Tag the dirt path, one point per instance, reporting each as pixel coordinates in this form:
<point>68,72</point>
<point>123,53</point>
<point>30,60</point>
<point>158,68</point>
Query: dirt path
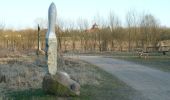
<point>153,84</point>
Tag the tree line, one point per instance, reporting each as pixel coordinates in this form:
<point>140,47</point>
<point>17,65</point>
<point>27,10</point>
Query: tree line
<point>139,31</point>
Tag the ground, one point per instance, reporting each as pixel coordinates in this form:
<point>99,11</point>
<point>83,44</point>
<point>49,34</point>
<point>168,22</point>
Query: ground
<point>23,80</point>
<point>127,77</point>
<point>152,83</point>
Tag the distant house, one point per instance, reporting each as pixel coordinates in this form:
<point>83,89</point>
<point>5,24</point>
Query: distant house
<point>94,28</point>
<point>164,45</point>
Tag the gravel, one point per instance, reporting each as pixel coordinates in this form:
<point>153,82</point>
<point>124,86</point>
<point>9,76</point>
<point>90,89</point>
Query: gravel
<point>152,83</point>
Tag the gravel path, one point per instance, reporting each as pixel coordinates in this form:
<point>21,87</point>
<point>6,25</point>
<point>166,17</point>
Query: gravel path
<point>152,83</point>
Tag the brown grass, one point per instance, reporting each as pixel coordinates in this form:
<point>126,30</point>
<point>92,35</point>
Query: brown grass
<point>23,73</point>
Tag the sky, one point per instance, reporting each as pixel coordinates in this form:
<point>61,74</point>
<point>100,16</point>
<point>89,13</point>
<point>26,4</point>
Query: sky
<point>20,14</point>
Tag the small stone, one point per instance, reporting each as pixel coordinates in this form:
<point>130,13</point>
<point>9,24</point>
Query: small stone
<point>60,84</point>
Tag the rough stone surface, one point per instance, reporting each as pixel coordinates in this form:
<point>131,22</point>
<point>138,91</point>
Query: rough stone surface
<point>51,41</point>
<point>58,83</point>
<point>61,85</point>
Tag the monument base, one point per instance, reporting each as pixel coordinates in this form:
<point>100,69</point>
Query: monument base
<point>60,84</point>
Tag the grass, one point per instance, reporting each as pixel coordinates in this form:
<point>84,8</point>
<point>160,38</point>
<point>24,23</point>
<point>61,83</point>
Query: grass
<point>154,60</point>
<point>109,88</point>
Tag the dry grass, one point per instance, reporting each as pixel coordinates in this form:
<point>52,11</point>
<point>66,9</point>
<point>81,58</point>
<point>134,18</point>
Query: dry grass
<point>79,71</point>
<point>23,80</point>
<point>21,75</point>
<point>24,73</point>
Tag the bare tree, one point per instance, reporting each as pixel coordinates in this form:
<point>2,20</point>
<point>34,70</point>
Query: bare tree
<point>83,26</point>
<point>150,30</point>
<point>114,24</point>
<point>132,23</point>
<point>2,26</point>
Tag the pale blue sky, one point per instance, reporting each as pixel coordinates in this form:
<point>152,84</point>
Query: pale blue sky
<point>20,14</point>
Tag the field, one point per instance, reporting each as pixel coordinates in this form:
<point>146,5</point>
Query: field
<point>23,77</point>
<point>154,60</point>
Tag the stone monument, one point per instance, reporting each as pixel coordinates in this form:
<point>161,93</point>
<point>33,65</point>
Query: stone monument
<point>56,82</point>
<point>51,41</point>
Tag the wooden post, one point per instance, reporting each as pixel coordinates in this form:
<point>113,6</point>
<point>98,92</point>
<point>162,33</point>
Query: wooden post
<point>38,40</point>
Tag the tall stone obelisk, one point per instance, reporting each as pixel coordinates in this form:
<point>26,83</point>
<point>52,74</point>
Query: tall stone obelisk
<point>56,82</point>
<point>51,41</point>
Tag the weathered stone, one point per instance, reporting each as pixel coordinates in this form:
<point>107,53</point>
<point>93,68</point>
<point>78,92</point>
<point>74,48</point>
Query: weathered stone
<point>51,41</point>
<point>58,83</point>
<point>61,85</point>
